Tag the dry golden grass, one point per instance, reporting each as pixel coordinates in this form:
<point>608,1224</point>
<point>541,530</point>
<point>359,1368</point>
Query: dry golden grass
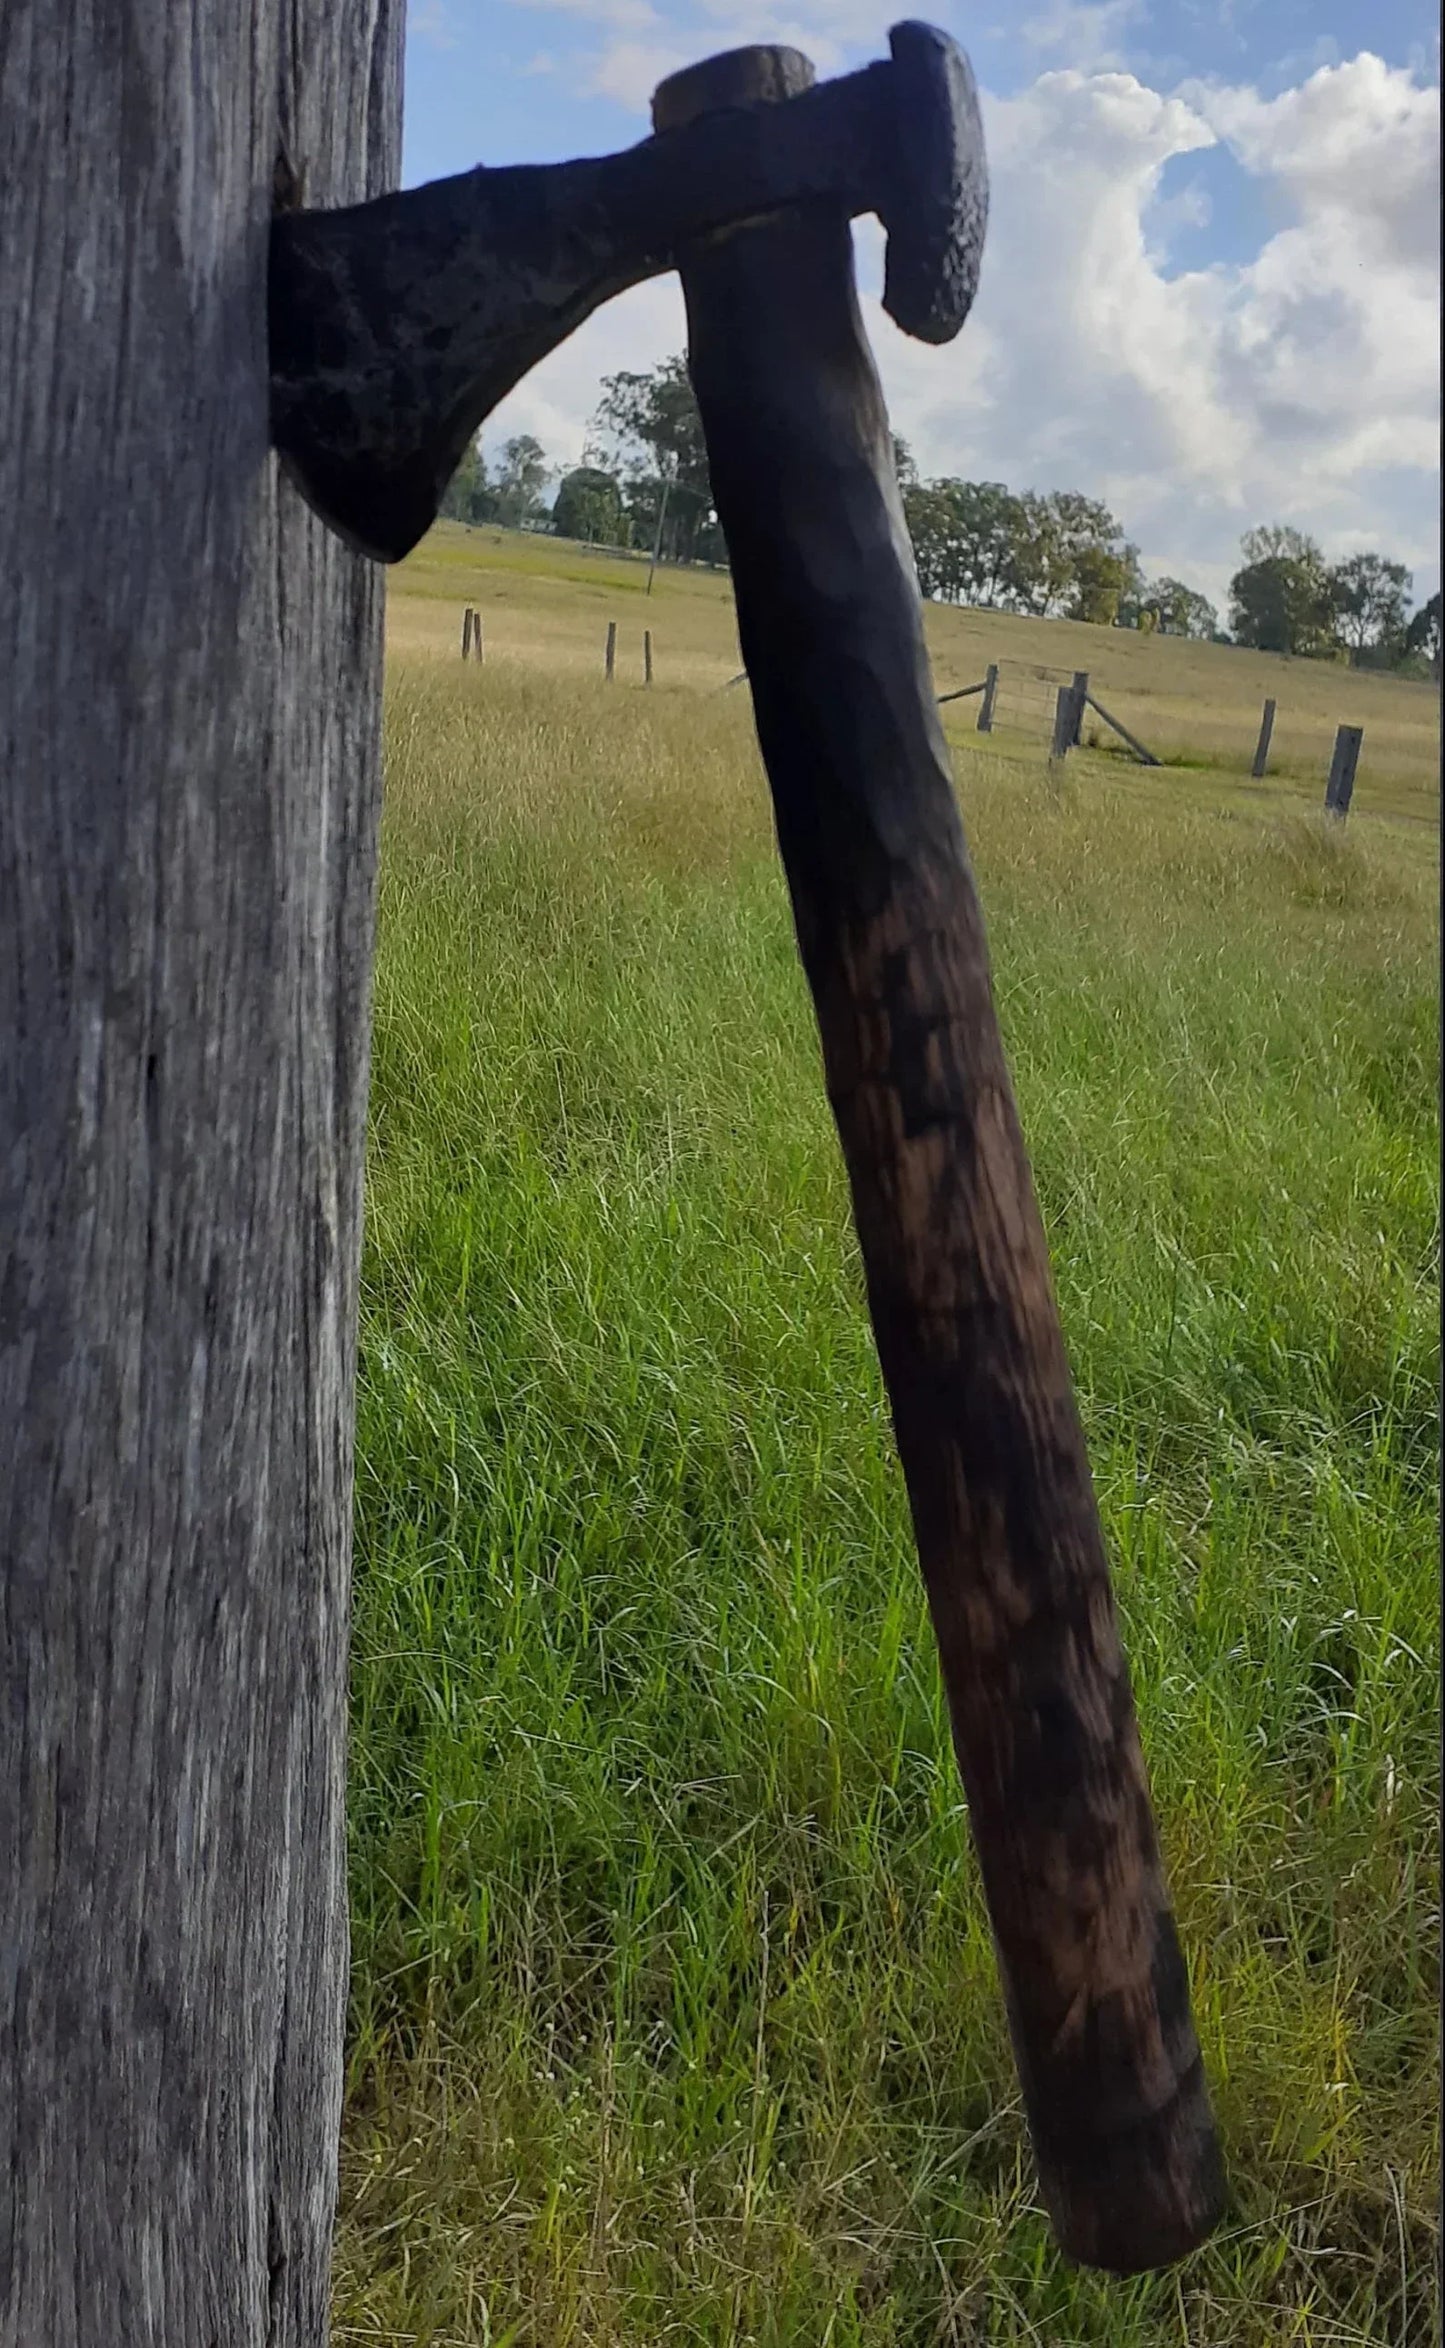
<point>546,605</point>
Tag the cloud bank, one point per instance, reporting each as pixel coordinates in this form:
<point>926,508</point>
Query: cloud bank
<point>1297,383</point>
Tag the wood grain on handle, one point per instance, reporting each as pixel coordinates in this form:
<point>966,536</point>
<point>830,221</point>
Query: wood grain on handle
<point>891,936</point>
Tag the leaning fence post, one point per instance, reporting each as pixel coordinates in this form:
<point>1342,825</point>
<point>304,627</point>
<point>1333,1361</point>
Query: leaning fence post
<point>990,693</point>
<point>1080,693</point>
<point>611,648</point>
<point>647,656</point>
<point>1340,788</point>
<point>1261,748</point>
<point>467,618</point>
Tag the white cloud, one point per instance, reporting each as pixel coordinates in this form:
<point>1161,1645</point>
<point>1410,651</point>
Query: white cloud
<point>557,400</point>
<point>630,71</point>
<point>1085,32</point>
<point>1301,384</point>
<point>643,46</point>
<point>1358,148</point>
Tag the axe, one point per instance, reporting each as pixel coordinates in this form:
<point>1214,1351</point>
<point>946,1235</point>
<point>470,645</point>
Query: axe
<point>395,327</point>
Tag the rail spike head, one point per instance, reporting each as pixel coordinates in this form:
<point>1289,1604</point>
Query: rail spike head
<point>936,207</point>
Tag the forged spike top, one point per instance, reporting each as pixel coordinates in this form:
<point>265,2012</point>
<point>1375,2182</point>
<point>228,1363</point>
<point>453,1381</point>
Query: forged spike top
<point>936,206</point>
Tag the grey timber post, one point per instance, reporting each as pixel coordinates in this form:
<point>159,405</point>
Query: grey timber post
<point>187,864</point>
<point>1340,788</point>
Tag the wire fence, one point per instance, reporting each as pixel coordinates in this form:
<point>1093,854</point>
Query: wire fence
<point>1027,698</point>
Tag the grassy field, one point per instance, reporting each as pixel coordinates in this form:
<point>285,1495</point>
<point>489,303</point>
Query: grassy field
<point>674,2013</point>
<point>545,606</point>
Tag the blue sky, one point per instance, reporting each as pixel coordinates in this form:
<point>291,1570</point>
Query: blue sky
<point>1210,294</point>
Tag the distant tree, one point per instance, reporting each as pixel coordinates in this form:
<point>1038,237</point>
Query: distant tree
<point>1103,577</point>
<point>651,423</point>
<point>1263,603</point>
<point>903,464</point>
<point>468,496</point>
<point>589,505</point>
<point>1038,570</point>
<point>1280,541</point>
<point>976,542</point>
<point>523,475</point>
<point>1422,636</point>
<point>1068,553</point>
<point>963,533</point>
<point>1370,595</point>
<point>986,522</point>
<point>925,511</point>
<point>1176,610</point>
<point>1282,598</point>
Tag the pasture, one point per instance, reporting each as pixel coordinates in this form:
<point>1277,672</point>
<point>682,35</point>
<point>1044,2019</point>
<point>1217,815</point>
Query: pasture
<point>674,2014</point>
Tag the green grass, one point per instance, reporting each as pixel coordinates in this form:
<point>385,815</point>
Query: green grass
<point>675,2017</point>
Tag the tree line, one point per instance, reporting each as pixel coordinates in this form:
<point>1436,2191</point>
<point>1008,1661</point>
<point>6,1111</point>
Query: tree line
<point>643,482</point>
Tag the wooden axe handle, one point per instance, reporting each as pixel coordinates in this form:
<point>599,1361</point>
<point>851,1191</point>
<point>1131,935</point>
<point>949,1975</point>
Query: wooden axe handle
<point>959,1290</point>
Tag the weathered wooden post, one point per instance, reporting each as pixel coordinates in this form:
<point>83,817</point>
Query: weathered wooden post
<point>1261,748</point>
<point>1080,695</point>
<point>1340,788</point>
<point>990,695</point>
<point>610,655</point>
<point>187,850</point>
<point>647,656</point>
<point>1063,735</point>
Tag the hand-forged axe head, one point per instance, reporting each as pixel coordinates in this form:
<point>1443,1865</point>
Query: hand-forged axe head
<point>397,326</point>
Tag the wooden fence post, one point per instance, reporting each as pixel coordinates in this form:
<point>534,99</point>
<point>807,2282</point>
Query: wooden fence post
<point>466,631</point>
<point>477,652</point>
<point>1064,714</point>
<point>187,877</point>
<point>990,695</point>
<point>1081,693</point>
<point>1261,748</point>
<point>1339,790</point>
<point>647,656</point>
<point>611,649</point>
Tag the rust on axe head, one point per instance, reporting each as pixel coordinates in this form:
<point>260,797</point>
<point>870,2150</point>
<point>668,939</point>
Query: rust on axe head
<point>397,326</point>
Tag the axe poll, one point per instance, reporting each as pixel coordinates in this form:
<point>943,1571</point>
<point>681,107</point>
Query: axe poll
<point>381,372</point>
